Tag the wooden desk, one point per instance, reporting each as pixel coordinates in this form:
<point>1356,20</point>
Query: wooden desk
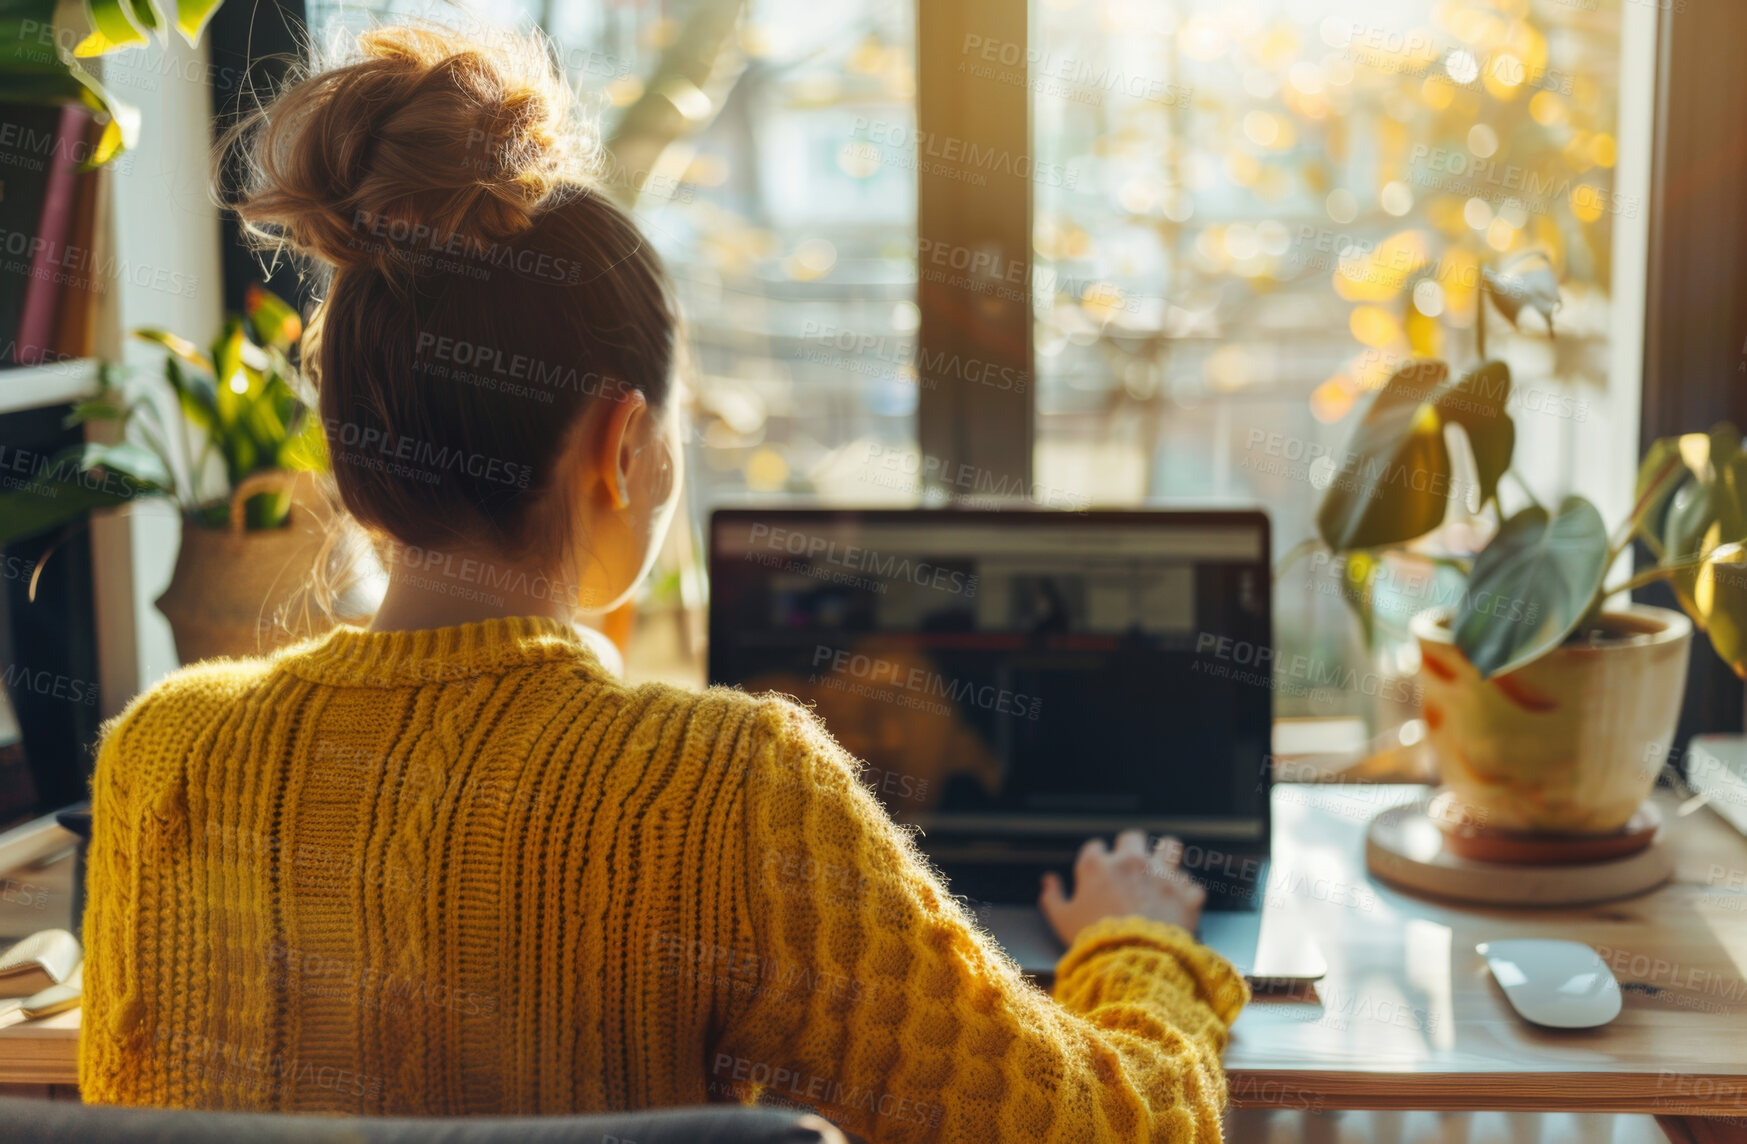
<point>40,1055</point>
<point>1409,1018</point>
<point>36,893</point>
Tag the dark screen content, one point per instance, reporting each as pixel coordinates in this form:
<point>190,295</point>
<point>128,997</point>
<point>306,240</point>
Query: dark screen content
<point>995,688</point>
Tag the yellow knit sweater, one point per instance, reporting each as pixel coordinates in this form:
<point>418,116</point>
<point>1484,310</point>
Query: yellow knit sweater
<point>466,871</point>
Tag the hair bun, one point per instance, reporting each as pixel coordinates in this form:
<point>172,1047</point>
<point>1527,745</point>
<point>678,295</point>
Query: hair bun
<point>427,138</point>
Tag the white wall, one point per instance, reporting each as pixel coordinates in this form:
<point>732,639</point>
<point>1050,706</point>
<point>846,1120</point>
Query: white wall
<point>165,233</point>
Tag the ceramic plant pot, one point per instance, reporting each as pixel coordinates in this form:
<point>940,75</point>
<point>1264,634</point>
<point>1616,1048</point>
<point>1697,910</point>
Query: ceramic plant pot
<point>240,592</point>
<point>1568,744</point>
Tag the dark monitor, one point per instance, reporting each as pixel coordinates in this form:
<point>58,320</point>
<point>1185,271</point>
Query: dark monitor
<point>1016,674</point>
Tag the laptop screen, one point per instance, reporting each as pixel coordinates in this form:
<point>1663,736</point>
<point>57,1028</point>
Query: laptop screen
<point>1016,673</point>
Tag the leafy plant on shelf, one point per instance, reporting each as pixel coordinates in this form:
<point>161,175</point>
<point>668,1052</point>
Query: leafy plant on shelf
<point>1541,580</point>
<point>241,410</point>
<point>40,54</point>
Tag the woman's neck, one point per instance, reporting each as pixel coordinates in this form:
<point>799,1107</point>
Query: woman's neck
<point>428,589</point>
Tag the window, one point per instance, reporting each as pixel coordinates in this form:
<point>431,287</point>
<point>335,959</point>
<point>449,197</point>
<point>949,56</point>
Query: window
<point>1273,212</point>
<point>791,242</point>
<point>1238,220</point>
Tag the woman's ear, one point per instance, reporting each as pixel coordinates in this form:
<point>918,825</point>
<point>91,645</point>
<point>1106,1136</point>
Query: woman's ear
<point>620,433</point>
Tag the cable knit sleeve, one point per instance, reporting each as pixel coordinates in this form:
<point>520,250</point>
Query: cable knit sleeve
<point>879,1003</point>
<point>113,870</point>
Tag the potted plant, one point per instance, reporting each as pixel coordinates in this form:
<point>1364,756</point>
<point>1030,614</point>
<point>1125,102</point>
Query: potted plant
<point>1549,709</point>
<point>252,545</point>
<point>40,56</point>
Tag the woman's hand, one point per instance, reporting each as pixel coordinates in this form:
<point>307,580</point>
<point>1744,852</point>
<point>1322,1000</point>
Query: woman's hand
<point>1121,883</point>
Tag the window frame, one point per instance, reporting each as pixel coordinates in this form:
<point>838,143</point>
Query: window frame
<point>974,261</point>
<point>1695,310</point>
<point>980,438</point>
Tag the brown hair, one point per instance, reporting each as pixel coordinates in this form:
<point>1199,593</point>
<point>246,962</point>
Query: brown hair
<point>481,289</point>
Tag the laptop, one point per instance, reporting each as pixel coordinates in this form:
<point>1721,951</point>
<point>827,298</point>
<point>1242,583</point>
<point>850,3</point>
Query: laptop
<point>1020,681</point>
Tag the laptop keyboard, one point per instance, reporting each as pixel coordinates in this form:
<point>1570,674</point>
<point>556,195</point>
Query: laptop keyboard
<point>1018,882</point>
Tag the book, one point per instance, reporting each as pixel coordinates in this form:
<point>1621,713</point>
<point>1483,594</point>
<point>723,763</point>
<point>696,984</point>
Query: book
<point>75,333</point>
<point>42,293</point>
<point>56,998</point>
<point>44,959</point>
<point>28,132</point>
<point>47,1002</point>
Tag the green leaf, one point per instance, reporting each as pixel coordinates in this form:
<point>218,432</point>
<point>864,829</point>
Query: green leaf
<point>1688,517</point>
<point>95,409</point>
<point>1683,530</point>
<point>1730,505</point>
<point>267,510</point>
<point>214,515</point>
<point>192,17</point>
<point>36,67</point>
<point>1708,506</point>
<point>227,361</point>
<point>121,120</point>
<point>253,356</point>
<point>59,494</point>
<point>28,44</point>
<point>263,421</point>
<point>196,395</point>
<point>28,87</point>
<point>1720,603</point>
<point>295,381</point>
<point>1532,586</point>
<point>1479,404</point>
<point>116,24</point>
<point>1659,476</point>
<point>1395,483</point>
<point>132,460</point>
<point>251,408</point>
<point>180,346</point>
<point>1364,507</point>
<point>1725,440</point>
<point>254,440</point>
<point>276,322</point>
<point>1357,574</point>
<point>1526,280</point>
<point>277,391</point>
<point>242,455</point>
<point>306,449</point>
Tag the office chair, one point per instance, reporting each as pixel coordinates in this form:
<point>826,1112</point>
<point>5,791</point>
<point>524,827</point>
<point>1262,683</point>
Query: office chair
<point>69,1122</point>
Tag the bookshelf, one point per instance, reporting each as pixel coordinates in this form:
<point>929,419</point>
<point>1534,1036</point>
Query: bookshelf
<point>56,383</point>
<point>152,260</point>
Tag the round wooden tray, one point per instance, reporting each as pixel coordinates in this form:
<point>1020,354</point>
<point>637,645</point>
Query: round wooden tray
<point>1406,846</point>
<point>1468,840</point>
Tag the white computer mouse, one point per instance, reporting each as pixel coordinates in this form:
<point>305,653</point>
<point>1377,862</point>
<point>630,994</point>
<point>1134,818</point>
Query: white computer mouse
<point>1559,984</point>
